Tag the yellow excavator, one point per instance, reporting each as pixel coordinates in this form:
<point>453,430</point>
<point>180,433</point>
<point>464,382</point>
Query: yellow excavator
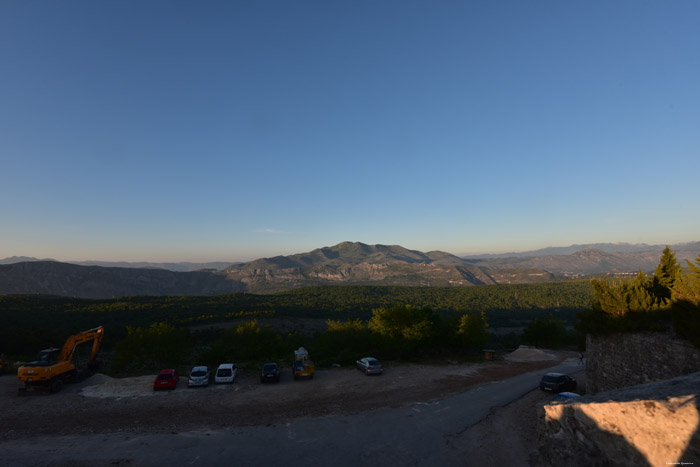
<point>54,367</point>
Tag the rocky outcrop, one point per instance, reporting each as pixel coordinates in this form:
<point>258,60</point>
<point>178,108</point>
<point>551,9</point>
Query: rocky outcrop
<point>645,425</point>
<point>261,280</point>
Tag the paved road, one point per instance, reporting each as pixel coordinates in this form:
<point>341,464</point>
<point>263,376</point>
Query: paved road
<point>418,434</point>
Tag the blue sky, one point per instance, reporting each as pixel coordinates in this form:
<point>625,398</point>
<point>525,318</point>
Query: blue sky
<point>200,131</point>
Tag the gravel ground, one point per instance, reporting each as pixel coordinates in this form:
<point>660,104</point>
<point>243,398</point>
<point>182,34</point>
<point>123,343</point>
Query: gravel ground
<point>128,405</point>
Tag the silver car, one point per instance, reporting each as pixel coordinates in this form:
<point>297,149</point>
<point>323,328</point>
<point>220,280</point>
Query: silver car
<point>199,377</point>
<point>370,366</point>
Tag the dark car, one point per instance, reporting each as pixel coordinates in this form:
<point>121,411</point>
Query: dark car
<point>557,382</point>
<point>270,373</point>
<point>166,379</point>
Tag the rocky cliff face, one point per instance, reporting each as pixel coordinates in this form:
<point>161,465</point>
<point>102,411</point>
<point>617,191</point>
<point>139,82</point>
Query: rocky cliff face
<point>422,275</point>
<point>646,425</point>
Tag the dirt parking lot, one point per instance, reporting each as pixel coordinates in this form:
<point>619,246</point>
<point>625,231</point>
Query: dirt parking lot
<point>102,404</point>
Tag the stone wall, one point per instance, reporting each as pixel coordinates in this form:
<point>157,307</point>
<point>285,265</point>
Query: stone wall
<point>654,424</point>
<point>619,360</point>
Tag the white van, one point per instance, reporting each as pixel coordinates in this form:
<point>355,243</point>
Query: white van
<point>226,373</point>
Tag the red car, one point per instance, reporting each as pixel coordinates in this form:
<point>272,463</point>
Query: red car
<point>166,379</point>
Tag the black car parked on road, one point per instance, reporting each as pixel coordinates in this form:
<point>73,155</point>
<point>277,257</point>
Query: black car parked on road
<point>270,372</point>
<point>557,382</point>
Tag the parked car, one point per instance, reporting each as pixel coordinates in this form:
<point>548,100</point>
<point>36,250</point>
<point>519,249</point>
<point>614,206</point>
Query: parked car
<point>270,372</point>
<point>226,373</point>
<point>370,366</point>
<point>557,382</point>
<point>199,376</point>
<point>565,396</point>
<point>166,379</point>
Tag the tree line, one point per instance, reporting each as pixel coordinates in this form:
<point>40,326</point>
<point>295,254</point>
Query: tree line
<point>397,332</point>
<point>30,323</point>
<point>670,297</point>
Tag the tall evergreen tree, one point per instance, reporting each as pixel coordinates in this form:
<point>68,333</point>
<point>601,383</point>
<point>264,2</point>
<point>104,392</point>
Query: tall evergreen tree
<point>687,285</point>
<point>665,276</point>
<point>609,297</point>
<point>640,293</point>
<point>686,303</point>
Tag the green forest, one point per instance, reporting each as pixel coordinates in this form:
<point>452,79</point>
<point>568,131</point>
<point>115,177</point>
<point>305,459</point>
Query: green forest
<point>31,323</point>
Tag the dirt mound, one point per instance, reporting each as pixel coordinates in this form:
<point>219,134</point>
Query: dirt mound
<point>97,378</point>
<point>526,354</point>
<point>119,387</point>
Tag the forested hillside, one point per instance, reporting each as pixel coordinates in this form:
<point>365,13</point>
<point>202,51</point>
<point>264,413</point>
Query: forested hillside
<point>32,322</point>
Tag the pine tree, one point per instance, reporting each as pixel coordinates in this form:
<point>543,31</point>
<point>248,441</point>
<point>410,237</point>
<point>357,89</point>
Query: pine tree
<point>686,303</point>
<point>665,276</point>
<point>687,285</point>
<point>620,298</point>
<point>640,294</point>
<point>609,297</point>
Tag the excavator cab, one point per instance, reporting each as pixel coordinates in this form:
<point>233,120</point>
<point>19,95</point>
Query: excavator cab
<point>47,357</point>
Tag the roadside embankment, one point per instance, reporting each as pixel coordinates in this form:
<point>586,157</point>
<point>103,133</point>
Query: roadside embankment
<point>649,424</point>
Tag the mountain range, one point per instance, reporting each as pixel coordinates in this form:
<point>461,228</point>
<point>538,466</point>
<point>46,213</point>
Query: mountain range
<point>348,263</point>
<point>619,247</point>
<point>607,258</point>
<point>171,266</point>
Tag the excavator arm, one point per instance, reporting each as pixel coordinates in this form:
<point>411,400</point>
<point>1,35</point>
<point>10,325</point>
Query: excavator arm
<point>68,349</point>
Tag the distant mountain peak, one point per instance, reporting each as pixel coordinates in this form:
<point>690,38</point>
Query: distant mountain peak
<point>358,263</point>
<point>22,259</point>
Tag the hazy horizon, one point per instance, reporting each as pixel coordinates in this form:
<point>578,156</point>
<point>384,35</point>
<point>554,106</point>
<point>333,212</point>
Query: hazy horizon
<point>176,131</point>
<point>246,259</point>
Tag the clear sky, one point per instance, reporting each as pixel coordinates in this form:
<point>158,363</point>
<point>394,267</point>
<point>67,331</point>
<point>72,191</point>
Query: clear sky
<point>231,130</point>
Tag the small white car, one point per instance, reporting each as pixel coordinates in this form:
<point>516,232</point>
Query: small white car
<point>199,377</point>
<point>226,373</point>
<point>370,366</point>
